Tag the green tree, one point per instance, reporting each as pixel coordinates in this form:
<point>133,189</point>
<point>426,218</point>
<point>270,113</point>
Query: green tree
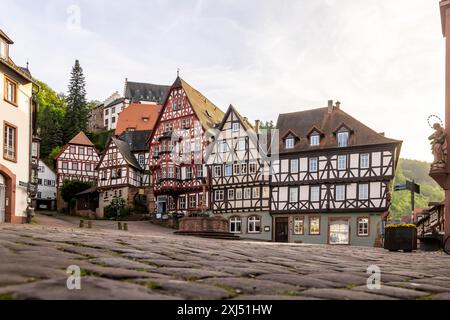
<point>75,119</point>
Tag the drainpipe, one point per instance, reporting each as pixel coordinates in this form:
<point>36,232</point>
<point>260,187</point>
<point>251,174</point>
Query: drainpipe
<point>30,211</point>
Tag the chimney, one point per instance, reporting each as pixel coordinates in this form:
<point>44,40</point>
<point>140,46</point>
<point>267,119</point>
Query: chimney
<point>257,125</point>
<point>330,106</point>
<point>338,104</point>
<point>382,133</point>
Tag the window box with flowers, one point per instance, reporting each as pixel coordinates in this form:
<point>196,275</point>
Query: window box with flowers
<point>400,237</point>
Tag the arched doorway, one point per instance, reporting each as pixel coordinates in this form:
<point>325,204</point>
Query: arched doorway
<point>7,194</point>
<point>2,199</point>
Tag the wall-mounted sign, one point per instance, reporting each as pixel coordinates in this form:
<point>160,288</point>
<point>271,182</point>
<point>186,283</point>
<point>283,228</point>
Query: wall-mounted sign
<point>23,184</point>
<point>267,228</point>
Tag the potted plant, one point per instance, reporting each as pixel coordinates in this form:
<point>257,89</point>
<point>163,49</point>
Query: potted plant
<point>400,237</point>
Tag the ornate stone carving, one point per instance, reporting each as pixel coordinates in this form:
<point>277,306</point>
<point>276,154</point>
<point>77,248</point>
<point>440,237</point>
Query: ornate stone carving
<point>438,147</point>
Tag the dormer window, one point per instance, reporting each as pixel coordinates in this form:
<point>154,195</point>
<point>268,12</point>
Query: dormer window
<point>290,142</point>
<point>315,140</point>
<point>3,50</point>
<point>342,138</point>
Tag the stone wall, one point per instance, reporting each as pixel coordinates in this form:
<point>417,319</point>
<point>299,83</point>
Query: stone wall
<point>204,224</point>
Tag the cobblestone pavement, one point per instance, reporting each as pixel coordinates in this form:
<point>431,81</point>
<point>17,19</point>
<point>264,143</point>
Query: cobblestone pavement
<point>121,265</point>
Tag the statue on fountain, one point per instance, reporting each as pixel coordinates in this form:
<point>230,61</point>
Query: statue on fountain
<point>438,147</point>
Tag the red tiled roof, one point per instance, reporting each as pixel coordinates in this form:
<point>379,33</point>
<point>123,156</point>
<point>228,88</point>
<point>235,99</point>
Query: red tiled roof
<point>81,139</point>
<point>138,117</point>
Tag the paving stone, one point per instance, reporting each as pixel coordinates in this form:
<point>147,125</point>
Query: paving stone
<point>396,292</point>
<point>419,286</point>
<point>299,280</point>
<point>441,296</point>
<point>121,263</point>
<point>345,279</point>
<point>170,263</point>
<point>190,274</point>
<point>253,286</point>
<point>273,297</point>
<point>342,294</point>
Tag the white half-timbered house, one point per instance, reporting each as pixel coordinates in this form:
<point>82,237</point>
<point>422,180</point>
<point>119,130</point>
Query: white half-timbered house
<point>123,170</point>
<point>77,161</point>
<point>332,183</point>
<point>238,167</point>
<point>177,149</point>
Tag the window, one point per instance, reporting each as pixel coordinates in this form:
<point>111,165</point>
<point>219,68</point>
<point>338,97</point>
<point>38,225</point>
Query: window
<point>256,192</point>
<point>342,162</point>
<point>88,167</point>
<point>235,225</point>
<point>168,127</point>
<point>339,232</point>
<point>106,112</point>
<point>198,145</point>
<point>364,161</point>
<point>217,171</point>
<point>73,149</point>
<point>363,227</point>
<point>223,146</point>
<point>238,194</point>
<point>252,167</point>
<point>290,142</point>
<point>186,123</point>
<point>228,170</point>
<point>141,160</point>
<point>241,144</point>
<point>236,126</point>
<point>41,169</point>
<point>81,151</point>
<point>10,143</point>
<point>113,110</point>
<point>219,195</point>
<point>3,49</point>
<point>342,138</point>
<point>199,171</point>
<point>315,140</point>
<point>363,191</point>
<point>39,195</point>
<point>254,224</point>
<point>34,149</point>
<point>237,169</point>
<point>192,201</point>
<point>74,166</point>
<point>89,151</point>
<point>104,175</point>
<point>10,91</point>
<point>314,226</point>
<point>182,203</point>
<point>294,166</point>
<point>247,193</point>
<point>188,172</point>
<point>200,200</point>
<point>65,165</point>
<point>340,193</point>
<point>40,182</point>
<point>187,147</point>
<point>106,122</point>
<point>171,173</point>
<point>315,194</point>
<point>244,168</point>
<point>313,164</point>
<point>231,194</point>
<point>293,195</point>
<point>299,225</point>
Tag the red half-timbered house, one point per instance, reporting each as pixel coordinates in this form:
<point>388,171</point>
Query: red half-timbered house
<point>77,161</point>
<point>177,148</point>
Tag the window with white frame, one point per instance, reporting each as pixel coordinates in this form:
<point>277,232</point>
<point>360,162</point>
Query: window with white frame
<point>293,195</point>
<point>237,169</point>
<point>241,144</point>
<point>340,192</point>
<point>11,91</point>
<point>314,140</point>
<point>81,151</point>
<point>244,168</point>
<point>235,225</point>
<point>219,195</point>
<point>239,194</point>
<point>217,171</point>
<point>314,225</point>
<point>141,160</point>
<point>294,166</point>
<point>171,173</point>
<point>299,225</point>
<point>342,162</point>
<point>192,201</point>
<point>266,192</point>
<point>182,203</point>
<point>88,167</point>
<point>290,142</point>
<point>254,224</point>
<point>199,171</point>
<point>187,147</point>
<point>342,138</point>
<point>223,147</point>
<point>363,227</point>
<point>10,143</point>
<point>236,126</point>
<point>313,164</point>
<point>363,191</point>
<point>364,161</point>
<point>247,193</point>
<point>252,167</point>
<point>74,166</point>
<point>65,165</point>
<point>315,194</point>
<point>188,172</point>
<point>228,170</point>
<point>230,194</point>
<point>256,192</point>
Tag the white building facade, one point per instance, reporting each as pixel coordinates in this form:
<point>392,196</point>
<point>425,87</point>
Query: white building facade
<point>46,190</point>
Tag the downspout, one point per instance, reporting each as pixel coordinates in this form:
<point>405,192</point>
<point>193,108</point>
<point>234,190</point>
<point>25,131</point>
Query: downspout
<point>30,152</point>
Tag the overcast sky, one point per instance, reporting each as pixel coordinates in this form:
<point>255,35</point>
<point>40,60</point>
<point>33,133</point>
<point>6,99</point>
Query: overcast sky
<point>383,59</point>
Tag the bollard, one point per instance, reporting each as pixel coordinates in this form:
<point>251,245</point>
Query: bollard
<point>81,223</point>
<point>125,226</point>
<point>89,224</point>
<point>119,225</point>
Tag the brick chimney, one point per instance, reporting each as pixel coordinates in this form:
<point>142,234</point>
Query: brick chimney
<point>338,104</point>
<point>330,106</point>
<point>257,125</point>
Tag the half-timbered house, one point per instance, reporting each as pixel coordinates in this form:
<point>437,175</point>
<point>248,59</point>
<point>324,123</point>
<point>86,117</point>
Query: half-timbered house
<point>239,168</point>
<point>123,170</point>
<point>77,161</point>
<point>177,149</point>
<point>332,183</point>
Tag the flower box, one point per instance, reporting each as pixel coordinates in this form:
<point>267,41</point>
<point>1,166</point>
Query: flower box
<point>400,237</point>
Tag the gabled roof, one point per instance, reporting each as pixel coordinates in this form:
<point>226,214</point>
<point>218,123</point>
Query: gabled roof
<point>208,114</point>
<point>139,91</point>
<point>81,139</point>
<point>137,140</point>
<point>115,102</point>
<point>5,36</point>
<point>133,117</point>
<point>327,120</point>
<point>125,151</point>
<point>244,121</point>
